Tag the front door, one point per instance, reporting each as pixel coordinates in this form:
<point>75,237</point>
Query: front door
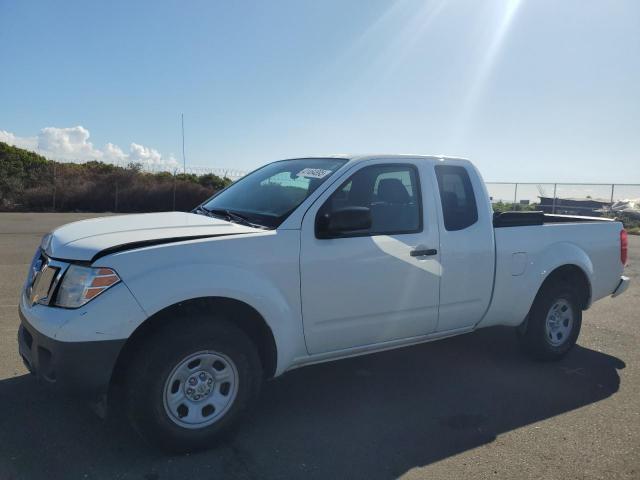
<point>378,285</point>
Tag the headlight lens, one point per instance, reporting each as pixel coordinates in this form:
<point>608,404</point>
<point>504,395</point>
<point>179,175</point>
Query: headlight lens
<point>81,284</point>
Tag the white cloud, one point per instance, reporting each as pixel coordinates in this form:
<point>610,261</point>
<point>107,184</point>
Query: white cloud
<point>68,143</point>
<point>113,154</point>
<point>147,156</point>
<point>28,143</point>
<point>73,144</point>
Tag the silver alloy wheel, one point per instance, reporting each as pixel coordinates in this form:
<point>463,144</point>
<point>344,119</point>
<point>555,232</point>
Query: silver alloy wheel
<point>559,322</point>
<point>200,389</point>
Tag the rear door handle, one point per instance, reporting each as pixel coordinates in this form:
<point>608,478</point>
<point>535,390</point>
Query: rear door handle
<point>423,252</point>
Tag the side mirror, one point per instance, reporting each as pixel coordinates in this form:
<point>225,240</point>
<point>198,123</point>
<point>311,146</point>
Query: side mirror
<point>345,221</point>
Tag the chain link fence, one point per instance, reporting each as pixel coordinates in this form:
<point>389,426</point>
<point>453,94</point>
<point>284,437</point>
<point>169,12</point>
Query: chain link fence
<point>172,167</point>
<point>587,199</point>
<point>64,187</point>
<point>72,186</point>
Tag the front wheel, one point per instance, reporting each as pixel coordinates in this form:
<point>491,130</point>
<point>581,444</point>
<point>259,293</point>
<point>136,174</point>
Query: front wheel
<point>191,382</point>
<point>553,324</point>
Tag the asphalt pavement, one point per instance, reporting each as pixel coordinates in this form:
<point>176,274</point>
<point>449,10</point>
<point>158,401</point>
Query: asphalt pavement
<point>468,407</point>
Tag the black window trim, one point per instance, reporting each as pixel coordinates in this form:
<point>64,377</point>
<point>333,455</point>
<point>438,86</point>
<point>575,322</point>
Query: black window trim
<point>438,168</point>
<point>418,192</point>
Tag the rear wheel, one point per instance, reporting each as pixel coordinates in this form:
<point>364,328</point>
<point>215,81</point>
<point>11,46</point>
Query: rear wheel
<point>554,322</point>
<point>191,382</point>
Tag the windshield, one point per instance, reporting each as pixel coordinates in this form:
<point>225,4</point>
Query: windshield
<point>268,195</point>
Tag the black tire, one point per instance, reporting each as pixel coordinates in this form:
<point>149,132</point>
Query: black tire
<point>144,390</point>
<point>533,334</point>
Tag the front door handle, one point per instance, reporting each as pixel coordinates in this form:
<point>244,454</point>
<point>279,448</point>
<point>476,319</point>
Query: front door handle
<point>423,252</point>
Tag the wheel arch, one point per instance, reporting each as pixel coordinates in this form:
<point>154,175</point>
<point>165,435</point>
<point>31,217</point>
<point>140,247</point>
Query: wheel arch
<point>250,321</point>
<point>573,275</point>
<point>537,338</point>
<point>560,260</point>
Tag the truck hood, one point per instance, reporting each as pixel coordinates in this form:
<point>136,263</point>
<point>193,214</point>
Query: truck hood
<point>87,240</point>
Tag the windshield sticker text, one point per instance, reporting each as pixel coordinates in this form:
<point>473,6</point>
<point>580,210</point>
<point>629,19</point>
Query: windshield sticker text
<point>313,173</point>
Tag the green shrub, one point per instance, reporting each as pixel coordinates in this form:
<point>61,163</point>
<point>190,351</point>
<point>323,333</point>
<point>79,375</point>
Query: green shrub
<point>510,207</point>
<point>30,182</point>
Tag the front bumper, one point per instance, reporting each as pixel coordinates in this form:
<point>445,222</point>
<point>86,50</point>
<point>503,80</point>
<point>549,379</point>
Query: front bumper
<point>622,286</point>
<point>82,368</point>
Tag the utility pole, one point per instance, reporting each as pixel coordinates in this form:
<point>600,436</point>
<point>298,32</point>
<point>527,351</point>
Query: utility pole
<point>174,190</point>
<point>54,186</point>
<point>184,159</point>
<point>613,186</point>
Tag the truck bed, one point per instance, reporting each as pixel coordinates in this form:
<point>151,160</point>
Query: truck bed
<point>527,219</point>
<point>539,245</point>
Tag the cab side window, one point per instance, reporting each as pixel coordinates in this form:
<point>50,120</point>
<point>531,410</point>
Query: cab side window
<point>391,192</point>
<point>459,207</point>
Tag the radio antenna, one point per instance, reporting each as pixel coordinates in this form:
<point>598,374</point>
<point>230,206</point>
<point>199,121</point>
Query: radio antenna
<point>184,159</point>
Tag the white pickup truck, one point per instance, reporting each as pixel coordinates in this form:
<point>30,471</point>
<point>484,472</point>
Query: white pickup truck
<point>182,316</point>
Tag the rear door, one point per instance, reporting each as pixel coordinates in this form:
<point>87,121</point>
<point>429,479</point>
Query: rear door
<point>378,285</point>
<point>466,245</point>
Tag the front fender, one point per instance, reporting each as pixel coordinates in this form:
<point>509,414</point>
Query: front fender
<point>259,270</point>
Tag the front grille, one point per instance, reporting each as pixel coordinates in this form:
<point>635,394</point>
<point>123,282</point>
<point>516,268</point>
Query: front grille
<point>43,285</point>
<point>38,261</point>
<point>42,279</point>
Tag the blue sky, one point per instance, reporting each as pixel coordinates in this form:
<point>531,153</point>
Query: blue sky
<point>531,90</point>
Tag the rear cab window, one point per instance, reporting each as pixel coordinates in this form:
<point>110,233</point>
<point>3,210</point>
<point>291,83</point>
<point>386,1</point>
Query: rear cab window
<point>459,209</point>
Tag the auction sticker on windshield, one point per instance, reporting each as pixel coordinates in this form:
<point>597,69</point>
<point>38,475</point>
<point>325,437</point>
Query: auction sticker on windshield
<point>313,173</point>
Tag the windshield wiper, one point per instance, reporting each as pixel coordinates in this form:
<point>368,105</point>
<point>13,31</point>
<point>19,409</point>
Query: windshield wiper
<point>233,217</point>
<point>200,210</point>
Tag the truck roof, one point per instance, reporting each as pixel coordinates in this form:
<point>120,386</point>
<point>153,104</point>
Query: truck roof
<point>356,158</point>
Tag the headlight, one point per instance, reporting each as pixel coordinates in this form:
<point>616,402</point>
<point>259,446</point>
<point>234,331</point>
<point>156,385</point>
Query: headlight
<point>81,284</point>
